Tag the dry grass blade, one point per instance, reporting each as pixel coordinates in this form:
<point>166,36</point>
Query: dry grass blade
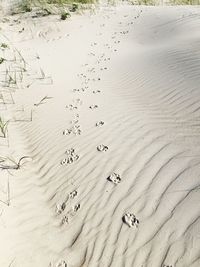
<point>9,164</point>
<point>42,101</point>
<point>3,127</point>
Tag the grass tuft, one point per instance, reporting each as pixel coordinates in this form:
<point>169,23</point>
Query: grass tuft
<point>74,7</point>
<point>4,46</point>
<point>25,6</point>
<point>64,15</point>
<point>2,60</point>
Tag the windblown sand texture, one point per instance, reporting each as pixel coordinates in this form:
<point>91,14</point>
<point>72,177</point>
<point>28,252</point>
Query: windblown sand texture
<point>108,118</point>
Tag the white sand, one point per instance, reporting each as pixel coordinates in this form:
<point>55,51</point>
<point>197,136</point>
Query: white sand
<point>148,63</point>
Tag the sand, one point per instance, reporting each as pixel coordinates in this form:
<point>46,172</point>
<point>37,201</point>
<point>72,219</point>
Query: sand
<point>107,118</point>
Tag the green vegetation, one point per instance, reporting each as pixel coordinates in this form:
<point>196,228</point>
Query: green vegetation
<point>74,7</point>
<point>63,7</point>
<point>64,15</point>
<point>25,6</point>
<point>2,60</point>
<point>4,46</point>
<point>62,2</point>
<point>47,7</point>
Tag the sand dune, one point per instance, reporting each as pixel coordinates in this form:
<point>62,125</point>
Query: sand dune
<point>109,114</point>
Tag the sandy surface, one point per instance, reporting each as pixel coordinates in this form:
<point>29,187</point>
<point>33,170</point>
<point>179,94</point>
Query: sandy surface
<point>112,167</point>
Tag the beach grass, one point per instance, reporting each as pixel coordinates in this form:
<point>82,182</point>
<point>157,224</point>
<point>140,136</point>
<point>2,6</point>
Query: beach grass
<point>47,7</point>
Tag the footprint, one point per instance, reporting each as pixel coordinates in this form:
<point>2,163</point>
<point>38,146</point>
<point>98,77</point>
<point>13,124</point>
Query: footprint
<point>124,32</point>
<point>60,208</point>
<point>130,220</point>
<point>74,121</point>
<point>76,115</point>
<point>94,44</point>
<point>71,157</point>
<point>96,91</point>
<point>114,178</point>
<point>99,123</point>
<point>65,220</point>
<point>70,151</point>
<point>93,107</point>
<point>91,70</point>
<point>21,30</point>
<point>73,194</point>
<point>77,101</point>
<point>105,68</point>
<point>61,263</point>
<point>102,148</point>
<point>76,207</point>
<point>67,132</point>
<point>71,107</point>
<point>75,129</point>
<point>76,90</point>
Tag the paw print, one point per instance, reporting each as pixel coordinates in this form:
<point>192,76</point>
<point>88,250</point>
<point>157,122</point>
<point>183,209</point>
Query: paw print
<point>73,194</point>
<point>102,148</point>
<point>99,123</point>
<point>114,178</point>
<point>70,158</point>
<point>60,208</point>
<point>61,263</point>
<point>130,220</point>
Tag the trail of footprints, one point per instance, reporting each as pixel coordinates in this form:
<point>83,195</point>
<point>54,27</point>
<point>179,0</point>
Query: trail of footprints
<point>65,210</point>
<point>87,77</point>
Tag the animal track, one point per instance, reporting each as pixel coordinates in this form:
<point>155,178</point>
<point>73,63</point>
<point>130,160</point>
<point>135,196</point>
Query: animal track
<point>77,101</point>
<point>105,68</point>
<point>124,32</point>
<point>76,207</point>
<point>114,178</point>
<point>130,220</point>
<point>73,194</point>
<point>93,107</point>
<point>96,91</point>
<point>67,132</point>
<point>71,157</point>
<point>65,220</point>
<point>71,107</point>
<point>61,263</point>
<point>74,130</point>
<point>99,123</point>
<point>102,148</point>
<point>60,208</point>
<point>94,44</point>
